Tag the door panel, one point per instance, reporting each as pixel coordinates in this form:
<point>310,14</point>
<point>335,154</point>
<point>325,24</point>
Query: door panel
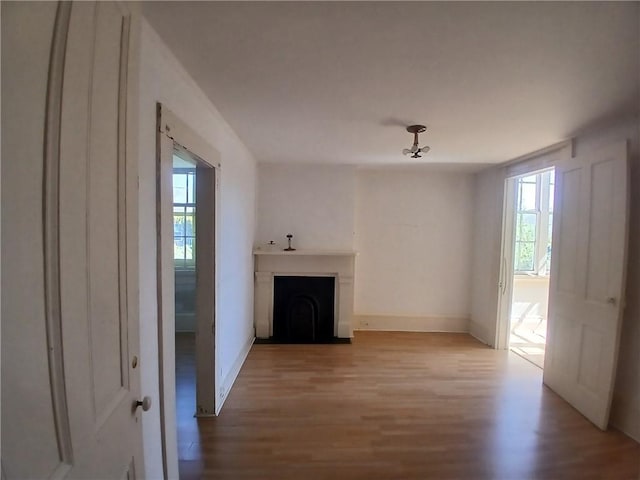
<point>569,222</point>
<point>600,256</point>
<point>86,262</point>
<point>99,238</point>
<point>587,281</point>
<point>107,220</point>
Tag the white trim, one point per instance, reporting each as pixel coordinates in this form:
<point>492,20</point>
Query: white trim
<point>333,253</point>
<point>183,135</point>
<point>505,285</point>
<point>541,159</point>
<point>408,323</point>
<point>172,132</point>
<point>229,380</point>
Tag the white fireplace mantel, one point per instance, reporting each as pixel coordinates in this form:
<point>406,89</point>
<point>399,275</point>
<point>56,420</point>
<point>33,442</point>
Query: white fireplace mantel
<point>311,263</point>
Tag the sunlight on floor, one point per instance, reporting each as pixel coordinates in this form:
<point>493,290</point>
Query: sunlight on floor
<point>528,340</point>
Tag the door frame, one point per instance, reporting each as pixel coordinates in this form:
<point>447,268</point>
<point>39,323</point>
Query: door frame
<point>173,134</point>
<point>540,160</point>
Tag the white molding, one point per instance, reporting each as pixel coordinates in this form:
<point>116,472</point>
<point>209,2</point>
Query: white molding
<point>174,128</point>
<point>540,159</point>
<point>230,379</point>
<point>333,253</point>
<point>410,323</point>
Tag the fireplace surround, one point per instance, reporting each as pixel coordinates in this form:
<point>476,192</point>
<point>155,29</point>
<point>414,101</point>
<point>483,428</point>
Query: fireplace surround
<point>304,263</point>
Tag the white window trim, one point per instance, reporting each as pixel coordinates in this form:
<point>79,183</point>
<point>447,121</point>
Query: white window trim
<point>184,264</point>
<point>542,211</point>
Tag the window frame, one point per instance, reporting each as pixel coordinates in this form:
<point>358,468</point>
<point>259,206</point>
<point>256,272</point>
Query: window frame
<point>185,263</point>
<point>544,218</point>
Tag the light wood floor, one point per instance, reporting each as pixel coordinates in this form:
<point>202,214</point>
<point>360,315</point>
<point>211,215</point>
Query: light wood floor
<point>392,406</point>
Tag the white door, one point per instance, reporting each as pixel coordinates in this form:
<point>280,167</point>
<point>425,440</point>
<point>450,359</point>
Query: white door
<point>586,297</point>
<point>81,420</point>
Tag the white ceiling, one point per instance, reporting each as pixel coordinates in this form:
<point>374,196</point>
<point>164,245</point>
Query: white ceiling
<point>337,82</point>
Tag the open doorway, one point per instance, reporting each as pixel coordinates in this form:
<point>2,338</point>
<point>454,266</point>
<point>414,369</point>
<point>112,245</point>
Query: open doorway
<point>184,257</point>
<point>188,202</point>
<point>533,221</point>
<point>526,253</point>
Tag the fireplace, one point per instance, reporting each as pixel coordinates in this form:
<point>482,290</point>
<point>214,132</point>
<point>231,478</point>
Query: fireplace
<point>308,317</point>
<point>303,309</point>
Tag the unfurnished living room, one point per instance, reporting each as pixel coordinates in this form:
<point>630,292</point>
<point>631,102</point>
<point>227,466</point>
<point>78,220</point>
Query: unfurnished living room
<point>320,240</point>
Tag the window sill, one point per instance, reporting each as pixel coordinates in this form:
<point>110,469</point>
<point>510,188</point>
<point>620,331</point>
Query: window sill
<point>530,276</point>
<point>182,268</point>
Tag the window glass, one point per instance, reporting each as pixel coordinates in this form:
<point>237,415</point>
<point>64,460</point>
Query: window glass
<point>534,220</point>
<point>191,188</point>
<point>179,188</point>
<point>525,256</point>
<point>184,217</point>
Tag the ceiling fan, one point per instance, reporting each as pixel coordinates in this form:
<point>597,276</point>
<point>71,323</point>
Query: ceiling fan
<point>415,150</point>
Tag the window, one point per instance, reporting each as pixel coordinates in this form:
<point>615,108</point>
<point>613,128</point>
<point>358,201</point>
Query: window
<point>534,221</point>
<point>184,217</point>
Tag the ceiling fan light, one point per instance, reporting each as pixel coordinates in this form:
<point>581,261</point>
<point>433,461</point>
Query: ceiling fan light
<point>415,149</point>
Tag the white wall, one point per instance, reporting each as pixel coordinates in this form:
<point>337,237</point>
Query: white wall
<point>413,237</point>
<point>163,79</point>
<point>314,203</point>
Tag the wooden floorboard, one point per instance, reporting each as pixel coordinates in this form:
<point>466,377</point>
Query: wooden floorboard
<point>392,406</point>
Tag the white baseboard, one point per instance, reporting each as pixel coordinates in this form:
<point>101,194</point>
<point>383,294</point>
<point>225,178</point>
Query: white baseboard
<point>230,378</point>
<point>625,416</point>
<point>479,332</point>
<point>407,323</point>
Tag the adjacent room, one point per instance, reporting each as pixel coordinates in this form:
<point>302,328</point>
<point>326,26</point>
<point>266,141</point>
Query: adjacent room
<point>272,240</point>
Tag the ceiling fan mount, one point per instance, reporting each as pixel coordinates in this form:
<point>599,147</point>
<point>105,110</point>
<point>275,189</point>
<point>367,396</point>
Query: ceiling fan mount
<point>415,129</point>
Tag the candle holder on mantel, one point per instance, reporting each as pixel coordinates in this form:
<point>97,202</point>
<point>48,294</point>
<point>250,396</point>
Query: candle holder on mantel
<point>289,248</point>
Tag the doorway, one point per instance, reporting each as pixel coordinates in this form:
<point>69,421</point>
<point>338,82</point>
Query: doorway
<point>187,199</point>
<point>184,257</point>
<point>531,265</point>
<point>527,248</point>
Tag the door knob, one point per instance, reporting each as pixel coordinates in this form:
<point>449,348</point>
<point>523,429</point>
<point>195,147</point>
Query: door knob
<point>611,300</point>
<point>145,403</point>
